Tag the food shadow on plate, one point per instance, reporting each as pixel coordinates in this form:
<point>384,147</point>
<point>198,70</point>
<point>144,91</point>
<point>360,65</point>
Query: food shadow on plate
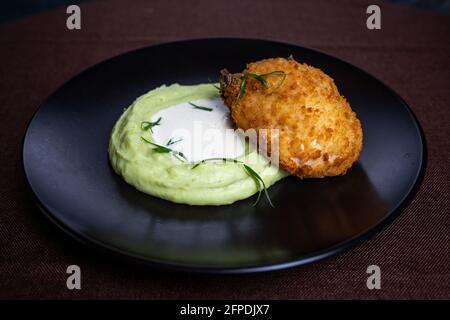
<point>308,214</point>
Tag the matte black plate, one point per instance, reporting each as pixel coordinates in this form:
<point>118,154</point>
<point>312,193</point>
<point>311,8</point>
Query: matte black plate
<point>66,164</point>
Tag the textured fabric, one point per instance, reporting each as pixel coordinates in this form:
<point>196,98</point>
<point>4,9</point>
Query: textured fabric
<point>411,54</point>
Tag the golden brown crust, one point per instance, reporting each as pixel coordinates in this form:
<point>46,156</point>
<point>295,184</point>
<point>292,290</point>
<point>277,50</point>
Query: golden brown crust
<point>320,135</point>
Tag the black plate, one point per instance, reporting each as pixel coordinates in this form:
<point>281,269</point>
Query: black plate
<point>66,164</point>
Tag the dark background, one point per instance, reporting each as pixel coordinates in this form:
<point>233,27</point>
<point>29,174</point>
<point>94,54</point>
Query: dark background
<point>11,9</point>
<point>410,53</point>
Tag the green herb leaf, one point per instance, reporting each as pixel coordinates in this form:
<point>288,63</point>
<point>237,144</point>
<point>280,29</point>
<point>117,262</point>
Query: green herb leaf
<point>260,78</point>
<point>161,149</point>
<point>257,77</point>
<point>180,156</point>
<point>252,173</point>
<point>170,142</point>
<point>242,88</point>
<point>278,73</point>
<point>145,125</point>
<point>259,181</point>
<point>200,107</point>
<point>214,85</point>
<point>215,159</point>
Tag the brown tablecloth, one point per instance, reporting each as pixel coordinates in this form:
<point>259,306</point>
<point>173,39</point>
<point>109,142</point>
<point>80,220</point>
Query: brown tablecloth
<point>410,53</point>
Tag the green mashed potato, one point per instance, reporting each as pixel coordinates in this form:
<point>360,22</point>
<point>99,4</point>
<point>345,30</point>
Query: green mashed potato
<point>163,175</point>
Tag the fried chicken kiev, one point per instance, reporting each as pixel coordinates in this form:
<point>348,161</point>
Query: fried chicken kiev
<point>319,134</point>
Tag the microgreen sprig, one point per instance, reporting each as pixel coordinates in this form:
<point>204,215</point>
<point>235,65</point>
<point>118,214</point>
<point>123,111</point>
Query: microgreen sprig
<point>278,73</point>
<point>171,141</point>
<point>216,159</point>
<point>260,78</point>
<point>257,77</point>
<point>214,85</point>
<point>145,125</point>
<point>200,107</point>
<point>162,149</point>
<point>242,88</point>
<point>252,173</point>
<point>260,182</point>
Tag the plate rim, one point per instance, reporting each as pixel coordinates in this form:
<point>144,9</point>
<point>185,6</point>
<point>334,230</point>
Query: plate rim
<point>123,255</point>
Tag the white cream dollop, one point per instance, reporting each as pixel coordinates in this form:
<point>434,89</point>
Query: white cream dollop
<point>200,134</point>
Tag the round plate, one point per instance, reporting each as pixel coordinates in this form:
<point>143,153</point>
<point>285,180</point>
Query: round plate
<point>66,163</point>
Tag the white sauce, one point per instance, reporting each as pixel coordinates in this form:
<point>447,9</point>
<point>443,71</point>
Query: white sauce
<point>204,134</point>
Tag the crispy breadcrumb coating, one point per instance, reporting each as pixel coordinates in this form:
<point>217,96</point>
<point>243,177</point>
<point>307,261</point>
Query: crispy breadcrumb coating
<point>319,134</point>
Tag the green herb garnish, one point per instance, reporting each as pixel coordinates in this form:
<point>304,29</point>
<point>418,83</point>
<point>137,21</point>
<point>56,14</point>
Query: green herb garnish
<point>260,182</point>
<point>280,73</point>
<point>145,125</point>
<point>170,142</point>
<point>161,149</point>
<point>252,173</point>
<point>215,159</point>
<point>260,78</point>
<point>257,77</point>
<point>200,107</point>
<point>242,88</point>
<point>214,85</point>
